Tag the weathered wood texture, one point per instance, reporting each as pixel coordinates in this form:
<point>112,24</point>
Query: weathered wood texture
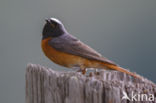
<point>45,85</point>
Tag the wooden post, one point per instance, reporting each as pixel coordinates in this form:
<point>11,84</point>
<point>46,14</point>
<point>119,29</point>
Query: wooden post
<point>45,85</point>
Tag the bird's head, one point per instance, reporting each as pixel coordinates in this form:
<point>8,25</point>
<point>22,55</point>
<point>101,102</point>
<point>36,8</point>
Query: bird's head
<point>53,28</point>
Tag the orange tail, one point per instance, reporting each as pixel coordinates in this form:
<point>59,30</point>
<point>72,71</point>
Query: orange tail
<point>114,67</point>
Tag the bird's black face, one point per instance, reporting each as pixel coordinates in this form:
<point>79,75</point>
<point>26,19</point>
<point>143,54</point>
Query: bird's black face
<point>53,28</point>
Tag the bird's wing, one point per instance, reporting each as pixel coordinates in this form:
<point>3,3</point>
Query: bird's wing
<point>69,44</point>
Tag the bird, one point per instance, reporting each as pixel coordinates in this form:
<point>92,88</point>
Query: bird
<point>66,50</point>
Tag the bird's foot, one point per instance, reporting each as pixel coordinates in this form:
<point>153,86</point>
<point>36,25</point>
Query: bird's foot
<point>83,71</point>
<point>96,72</point>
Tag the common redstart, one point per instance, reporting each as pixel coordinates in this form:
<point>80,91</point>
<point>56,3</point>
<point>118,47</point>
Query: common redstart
<point>66,50</point>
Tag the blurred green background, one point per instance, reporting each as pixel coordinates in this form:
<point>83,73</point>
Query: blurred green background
<point>122,30</point>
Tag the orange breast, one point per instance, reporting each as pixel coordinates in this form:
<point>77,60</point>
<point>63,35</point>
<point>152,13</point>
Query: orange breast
<point>59,57</point>
<point>65,59</point>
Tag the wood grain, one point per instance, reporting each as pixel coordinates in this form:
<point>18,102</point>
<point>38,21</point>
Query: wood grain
<point>44,85</point>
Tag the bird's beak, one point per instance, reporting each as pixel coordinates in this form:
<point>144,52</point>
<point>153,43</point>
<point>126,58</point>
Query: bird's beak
<point>47,20</point>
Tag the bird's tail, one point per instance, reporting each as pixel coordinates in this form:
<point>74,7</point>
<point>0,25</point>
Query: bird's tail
<point>115,67</point>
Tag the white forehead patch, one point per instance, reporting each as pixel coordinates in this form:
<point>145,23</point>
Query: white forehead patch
<point>58,21</point>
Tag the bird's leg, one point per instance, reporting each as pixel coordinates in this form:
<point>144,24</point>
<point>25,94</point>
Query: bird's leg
<point>84,71</point>
<point>96,71</point>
